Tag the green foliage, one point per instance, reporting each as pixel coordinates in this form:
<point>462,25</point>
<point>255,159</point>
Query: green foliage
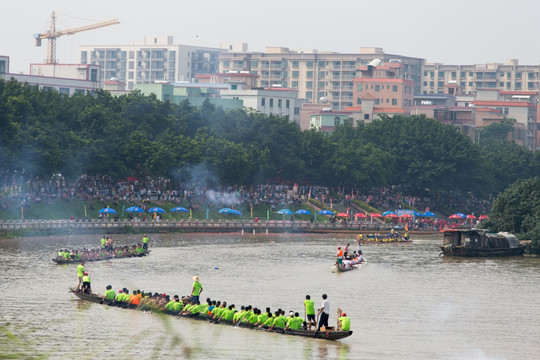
<point>497,131</point>
<point>517,210</point>
<point>364,206</point>
<point>43,133</point>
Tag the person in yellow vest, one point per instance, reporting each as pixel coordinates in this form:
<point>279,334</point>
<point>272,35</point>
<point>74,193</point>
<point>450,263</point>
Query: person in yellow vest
<point>309,306</point>
<point>86,284</point>
<point>80,274</point>
<point>343,322</point>
<point>197,289</point>
<point>103,242</point>
<point>145,243</point>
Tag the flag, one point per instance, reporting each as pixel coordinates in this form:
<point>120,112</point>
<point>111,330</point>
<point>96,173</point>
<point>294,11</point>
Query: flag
<point>85,211</point>
<point>406,226</point>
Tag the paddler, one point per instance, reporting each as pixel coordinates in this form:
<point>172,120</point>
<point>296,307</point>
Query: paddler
<point>343,322</point>
<point>294,322</point>
<point>109,293</point>
<point>80,274</point>
<point>86,284</point>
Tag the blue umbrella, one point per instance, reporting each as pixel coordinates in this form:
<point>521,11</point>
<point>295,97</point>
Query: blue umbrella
<point>180,209</point>
<point>302,212</point>
<point>135,209</point>
<point>462,215</point>
<point>107,211</point>
<point>429,214</point>
<point>388,212</point>
<point>229,211</point>
<point>156,210</point>
<point>325,212</point>
<point>285,212</point>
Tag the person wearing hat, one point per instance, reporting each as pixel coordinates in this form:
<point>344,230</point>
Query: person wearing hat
<point>339,252</point>
<point>86,284</point>
<point>343,322</point>
<point>197,289</point>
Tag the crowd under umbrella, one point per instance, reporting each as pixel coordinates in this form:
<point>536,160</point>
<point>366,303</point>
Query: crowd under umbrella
<point>285,212</point>
<point>342,214</point>
<point>406,216</point>
<point>325,212</point>
<point>229,211</point>
<point>429,214</point>
<point>134,209</point>
<point>360,215</point>
<point>457,216</point>
<point>376,215</point>
<point>386,213</point>
<point>107,210</point>
<point>471,217</point>
<point>303,212</point>
<point>156,210</point>
<point>179,209</point>
<point>391,215</point>
<point>482,217</point>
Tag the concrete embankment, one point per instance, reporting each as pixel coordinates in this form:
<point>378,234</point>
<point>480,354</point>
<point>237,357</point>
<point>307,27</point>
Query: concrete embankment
<point>42,227</point>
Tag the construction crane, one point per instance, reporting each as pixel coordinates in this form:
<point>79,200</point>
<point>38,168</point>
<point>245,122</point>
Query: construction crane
<point>52,34</point>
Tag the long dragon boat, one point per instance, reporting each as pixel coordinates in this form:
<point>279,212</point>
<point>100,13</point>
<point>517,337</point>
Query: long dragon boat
<point>326,335</point>
<point>101,256</point>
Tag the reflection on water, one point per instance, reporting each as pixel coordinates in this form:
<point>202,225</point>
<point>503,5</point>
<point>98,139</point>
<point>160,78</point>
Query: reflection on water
<point>407,303</point>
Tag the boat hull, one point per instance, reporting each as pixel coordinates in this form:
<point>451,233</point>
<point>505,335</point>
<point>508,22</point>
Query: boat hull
<point>463,251</point>
<point>325,335</point>
<point>62,261</point>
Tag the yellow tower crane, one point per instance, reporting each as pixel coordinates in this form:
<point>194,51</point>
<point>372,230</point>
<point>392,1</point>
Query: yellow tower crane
<point>52,34</point>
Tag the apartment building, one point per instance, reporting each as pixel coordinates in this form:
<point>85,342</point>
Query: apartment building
<point>509,76</point>
<point>314,74</point>
<point>156,59</point>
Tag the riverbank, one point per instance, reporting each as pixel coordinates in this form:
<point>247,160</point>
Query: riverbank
<point>11,228</point>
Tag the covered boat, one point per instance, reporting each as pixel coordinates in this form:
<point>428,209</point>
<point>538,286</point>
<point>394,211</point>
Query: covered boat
<point>480,243</point>
<point>327,335</point>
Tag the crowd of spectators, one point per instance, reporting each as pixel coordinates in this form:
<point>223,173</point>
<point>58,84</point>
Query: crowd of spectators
<point>141,191</point>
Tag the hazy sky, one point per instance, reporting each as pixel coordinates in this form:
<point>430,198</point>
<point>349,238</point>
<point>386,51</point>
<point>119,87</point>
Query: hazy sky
<point>450,32</point>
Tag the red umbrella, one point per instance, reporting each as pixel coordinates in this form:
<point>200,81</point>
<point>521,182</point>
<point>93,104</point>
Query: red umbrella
<point>375,215</point>
<point>406,216</point>
<point>342,214</point>
<point>360,215</point>
<point>472,217</point>
<point>482,217</point>
<point>455,216</point>
<point>391,215</point>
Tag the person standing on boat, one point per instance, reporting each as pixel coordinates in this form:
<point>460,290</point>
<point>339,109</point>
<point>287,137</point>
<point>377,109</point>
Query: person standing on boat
<point>80,274</point>
<point>359,241</point>
<point>103,242</point>
<point>309,306</point>
<point>345,251</point>
<point>145,243</point>
<point>197,289</point>
<point>324,313</point>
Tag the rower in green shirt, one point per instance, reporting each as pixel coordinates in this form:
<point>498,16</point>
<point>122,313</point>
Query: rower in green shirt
<point>343,323</point>
<point>294,323</point>
<point>109,293</point>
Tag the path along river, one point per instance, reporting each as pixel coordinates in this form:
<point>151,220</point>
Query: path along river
<point>407,303</point>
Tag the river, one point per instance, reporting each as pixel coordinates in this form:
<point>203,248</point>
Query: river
<point>407,303</point>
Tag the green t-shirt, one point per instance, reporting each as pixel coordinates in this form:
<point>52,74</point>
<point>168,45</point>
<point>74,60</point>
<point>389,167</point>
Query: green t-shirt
<point>197,288</point>
<point>269,321</point>
<point>196,309</point>
<point>86,278</point>
<point>253,318</point>
<point>280,321</point>
<point>345,323</point>
<point>296,323</point>
<point>262,318</point>
<point>169,305</point>
<point>60,254</point>
<point>145,240</point>
<point>110,294</point>
<point>188,307</point>
<point>119,297</point>
<point>103,242</point>
<point>229,314</point>
<point>310,307</point>
<point>80,270</point>
<point>177,306</point>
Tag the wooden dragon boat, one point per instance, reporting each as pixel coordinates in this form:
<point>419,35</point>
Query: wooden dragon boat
<point>325,335</point>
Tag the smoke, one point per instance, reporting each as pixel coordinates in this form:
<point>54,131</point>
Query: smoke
<point>201,175</point>
<point>223,198</point>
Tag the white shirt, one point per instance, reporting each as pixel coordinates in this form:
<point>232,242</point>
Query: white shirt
<point>326,306</point>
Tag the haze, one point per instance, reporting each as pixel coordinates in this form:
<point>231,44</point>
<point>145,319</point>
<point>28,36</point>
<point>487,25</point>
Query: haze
<point>450,32</point>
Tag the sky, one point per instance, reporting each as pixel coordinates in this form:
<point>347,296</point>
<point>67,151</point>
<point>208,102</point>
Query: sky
<point>449,32</point>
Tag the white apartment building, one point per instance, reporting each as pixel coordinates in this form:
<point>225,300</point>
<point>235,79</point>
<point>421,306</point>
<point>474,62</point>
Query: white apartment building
<point>64,78</point>
<point>509,76</point>
<point>157,59</point>
<point>314,74</point>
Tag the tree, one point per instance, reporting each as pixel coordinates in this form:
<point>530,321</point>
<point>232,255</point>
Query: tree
<point>497,131</point>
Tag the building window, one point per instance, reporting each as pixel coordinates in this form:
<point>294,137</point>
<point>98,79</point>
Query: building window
<point>271,102</point>
<point>309,94</point>
<point>453,74</point>
<point>320,85</point>
<point>359,87</point>
<point>309,74</point>
<point>130,75</point>
<point>309,84</point>
<point>309,64</point>
<point>263,102</point>
<point>295,74</point>
<point>377,87</point>
<point>462,74</point>
<point>366,116</point>
<point>287,104</point>
<point>394,101</point>
<point>337,121</point>
<point>518,75</point>
<point>321,74</point>
<point>358,101</point>
<point>441,74</point>
<point>322,64</point>
<point>279,103</point>
<point>226,63</point>
<point>294,64</point>
<point>377,101</point>
<point>93,75</point>
<point>394,88</point>
<point>294,84</point>
<point>63,90</point>
<point>508,75</point>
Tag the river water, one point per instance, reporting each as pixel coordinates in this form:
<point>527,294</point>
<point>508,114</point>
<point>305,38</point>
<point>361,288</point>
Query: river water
<point>407,303</point>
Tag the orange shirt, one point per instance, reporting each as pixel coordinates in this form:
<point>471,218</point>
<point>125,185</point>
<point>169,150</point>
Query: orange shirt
<point>340,253</point>
<point>134,299</point>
